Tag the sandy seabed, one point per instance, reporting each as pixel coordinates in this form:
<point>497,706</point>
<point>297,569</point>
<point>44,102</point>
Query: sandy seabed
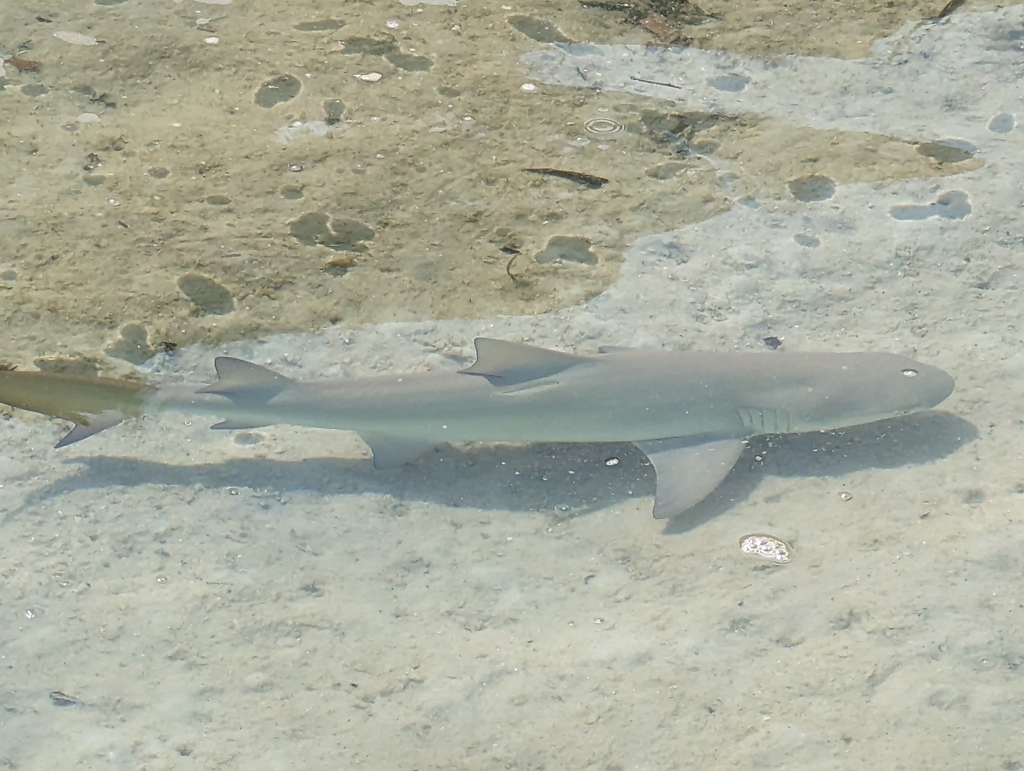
<point>174,597</point>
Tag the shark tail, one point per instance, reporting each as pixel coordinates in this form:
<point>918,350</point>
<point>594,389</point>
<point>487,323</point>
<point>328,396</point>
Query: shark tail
<point>91,403</point>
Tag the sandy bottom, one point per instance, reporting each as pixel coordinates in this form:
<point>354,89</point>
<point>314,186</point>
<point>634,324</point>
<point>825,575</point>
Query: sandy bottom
<point>173,597</point>
<point>176,599</point>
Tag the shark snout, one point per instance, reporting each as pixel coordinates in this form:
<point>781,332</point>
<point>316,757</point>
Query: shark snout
<point>928,386</point>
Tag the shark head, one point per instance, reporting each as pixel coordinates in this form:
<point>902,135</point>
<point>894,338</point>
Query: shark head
<point>850,389</point>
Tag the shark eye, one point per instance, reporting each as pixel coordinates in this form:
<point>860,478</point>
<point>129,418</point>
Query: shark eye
<point>910,372</point>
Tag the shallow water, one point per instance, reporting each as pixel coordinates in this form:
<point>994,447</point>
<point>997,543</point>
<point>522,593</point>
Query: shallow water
<point>174,597</point>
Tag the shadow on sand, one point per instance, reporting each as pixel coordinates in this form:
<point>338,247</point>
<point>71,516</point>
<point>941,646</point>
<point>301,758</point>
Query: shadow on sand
<point>564,480</point>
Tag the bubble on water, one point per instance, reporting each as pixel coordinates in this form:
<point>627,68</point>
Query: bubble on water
<point>603,126</point>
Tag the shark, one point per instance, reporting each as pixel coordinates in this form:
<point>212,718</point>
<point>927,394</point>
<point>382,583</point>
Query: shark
<point>690,412</point>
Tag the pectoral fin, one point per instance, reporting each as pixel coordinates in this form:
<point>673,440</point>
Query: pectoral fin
<point>393,451</point>
<point>688,473</point>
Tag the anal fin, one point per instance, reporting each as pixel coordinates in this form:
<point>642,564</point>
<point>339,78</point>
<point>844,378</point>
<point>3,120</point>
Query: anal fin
<point>688,473</point>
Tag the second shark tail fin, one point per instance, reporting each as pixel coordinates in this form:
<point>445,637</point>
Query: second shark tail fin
<point>91,403</point>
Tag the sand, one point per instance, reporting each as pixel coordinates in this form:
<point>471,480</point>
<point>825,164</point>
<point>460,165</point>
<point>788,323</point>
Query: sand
<point>174,597</point>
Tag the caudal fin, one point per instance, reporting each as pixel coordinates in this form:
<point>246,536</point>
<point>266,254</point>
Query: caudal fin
<point>91,403</point>
<point>94,426</point>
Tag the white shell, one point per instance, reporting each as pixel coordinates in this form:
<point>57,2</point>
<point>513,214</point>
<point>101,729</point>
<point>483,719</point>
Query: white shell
<point>767,547</point>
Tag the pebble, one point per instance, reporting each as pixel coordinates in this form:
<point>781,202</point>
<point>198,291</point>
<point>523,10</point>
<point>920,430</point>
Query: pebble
<point>767,547</point>
<point>257,681</point>
<point>370,77</point>
<point>75,38</point>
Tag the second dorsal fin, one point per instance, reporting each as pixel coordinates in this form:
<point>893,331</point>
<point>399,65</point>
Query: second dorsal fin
<point>505,363</point>
<point>239,379</point>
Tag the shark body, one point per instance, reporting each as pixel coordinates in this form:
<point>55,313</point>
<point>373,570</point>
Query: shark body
<point>689,412</point>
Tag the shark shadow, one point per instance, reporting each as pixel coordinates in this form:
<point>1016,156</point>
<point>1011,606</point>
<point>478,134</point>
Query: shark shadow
<point>561,480</point>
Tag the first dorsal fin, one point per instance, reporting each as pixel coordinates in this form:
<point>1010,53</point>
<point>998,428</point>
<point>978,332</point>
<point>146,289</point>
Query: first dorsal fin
<point>237,378</point>
<point>507,363</point>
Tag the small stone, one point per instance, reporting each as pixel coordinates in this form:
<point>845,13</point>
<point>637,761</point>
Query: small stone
<point>75,38</point>
<point>339,234</point>
<point>133,345</point>
<point>948,150</point>
<point>538,29</point>
<point>60,699</point>
<point>76,366</point>
<point>731,83</point>
<point>257,681</point>
<point>567,249</point>
<point>766,547</point>
<point>1000,124</point>
<point>283,88</point>
<point>320,25</point>
<point>379,45</point>
<point>334,110</point>
<point>369,77</point>
<point>209,296</point>
<point>813,187</point>
<point>409,62</point>
<point>340,267</point>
